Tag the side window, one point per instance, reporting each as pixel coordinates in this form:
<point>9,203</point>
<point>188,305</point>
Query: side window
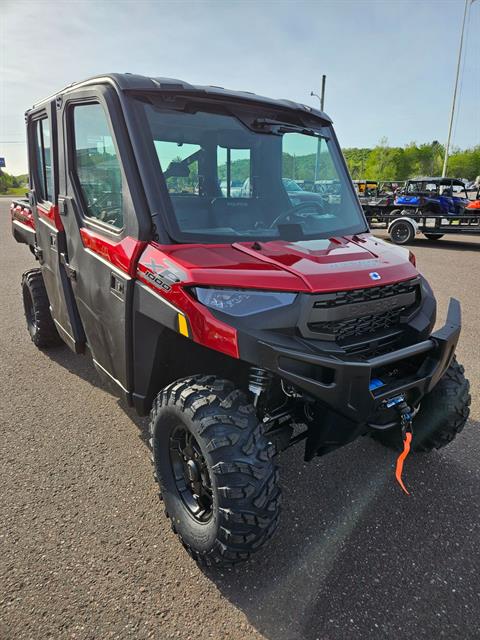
<point>97,166</point>
<point>179,163</point>
<point>233,171</point>
<point>43,153</point>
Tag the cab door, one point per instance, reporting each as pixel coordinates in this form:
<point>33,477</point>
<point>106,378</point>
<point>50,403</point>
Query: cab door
<point>97,212</point>
<point>49,231</point>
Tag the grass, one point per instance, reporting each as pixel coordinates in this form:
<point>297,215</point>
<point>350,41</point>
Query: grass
<point>15,191</point>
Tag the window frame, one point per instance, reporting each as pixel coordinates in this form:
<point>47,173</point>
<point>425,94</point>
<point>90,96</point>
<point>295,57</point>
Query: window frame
<point>92,221</point>
<point>95,224</point>
<point>39,177</point>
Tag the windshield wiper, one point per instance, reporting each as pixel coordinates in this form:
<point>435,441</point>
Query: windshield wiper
<point>276,127</point>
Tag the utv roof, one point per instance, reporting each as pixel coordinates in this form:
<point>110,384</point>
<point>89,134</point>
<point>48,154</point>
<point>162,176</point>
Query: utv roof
<point>440,181</point>
<point>129,82</point>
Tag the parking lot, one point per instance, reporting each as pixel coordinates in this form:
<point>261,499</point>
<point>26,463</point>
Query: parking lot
<point>86,552</point>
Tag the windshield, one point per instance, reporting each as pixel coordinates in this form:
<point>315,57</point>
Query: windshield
<point>227,181</point>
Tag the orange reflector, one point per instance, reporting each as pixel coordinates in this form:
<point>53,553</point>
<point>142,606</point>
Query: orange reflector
<point>182,325</point>
<point>401,459</point>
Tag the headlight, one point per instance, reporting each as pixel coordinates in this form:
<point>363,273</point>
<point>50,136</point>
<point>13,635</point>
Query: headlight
<point>240,302</point>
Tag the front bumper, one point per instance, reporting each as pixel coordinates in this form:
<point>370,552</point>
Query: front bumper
<point>344,385</point>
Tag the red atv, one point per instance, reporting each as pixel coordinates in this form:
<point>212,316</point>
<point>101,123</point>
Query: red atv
<point>244,318</point>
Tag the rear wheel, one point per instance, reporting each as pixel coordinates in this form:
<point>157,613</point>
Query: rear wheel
<point>36,305</point>
<point>401,232</point>
<point>215,469</point>
<point>442,415</point>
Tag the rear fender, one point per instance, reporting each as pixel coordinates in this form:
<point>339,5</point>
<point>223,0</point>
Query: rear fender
<point>23,224</point>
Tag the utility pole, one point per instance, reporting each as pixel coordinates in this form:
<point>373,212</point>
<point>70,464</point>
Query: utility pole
<point>321,98</point>
<point>322,95</point>
<point>452,112</point>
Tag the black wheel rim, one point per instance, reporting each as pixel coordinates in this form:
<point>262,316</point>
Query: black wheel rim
<point>401,233</point>
<point>191,475</point>
<point>29,311</point>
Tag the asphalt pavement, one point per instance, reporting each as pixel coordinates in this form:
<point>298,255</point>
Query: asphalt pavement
<point>87,553</point>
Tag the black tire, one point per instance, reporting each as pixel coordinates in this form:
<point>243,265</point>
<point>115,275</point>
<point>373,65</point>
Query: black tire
<point>36,305</point>
<point>239,503</point>
<point>434,236</point>
<point>442,415</point>
<point>401,232</point>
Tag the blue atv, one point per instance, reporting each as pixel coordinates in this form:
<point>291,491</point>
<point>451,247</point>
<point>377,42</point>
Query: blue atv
<point>438,196</point>
<point>431,205</point>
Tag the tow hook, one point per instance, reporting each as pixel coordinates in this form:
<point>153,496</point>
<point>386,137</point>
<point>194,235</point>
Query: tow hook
<point>406,418</point>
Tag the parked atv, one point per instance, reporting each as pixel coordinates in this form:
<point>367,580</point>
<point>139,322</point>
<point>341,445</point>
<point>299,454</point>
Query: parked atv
<point>243,323</point>
<point>436,196</point>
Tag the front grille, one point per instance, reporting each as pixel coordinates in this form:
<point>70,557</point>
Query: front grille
<point>339,298</point>
<point>345,316</point>
<point>359,327</point>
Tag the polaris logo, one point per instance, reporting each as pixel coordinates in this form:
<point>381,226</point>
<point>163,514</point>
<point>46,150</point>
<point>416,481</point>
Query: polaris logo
<point>374,275</point>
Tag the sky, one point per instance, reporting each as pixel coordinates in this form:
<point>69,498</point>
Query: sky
<point>390,64</point>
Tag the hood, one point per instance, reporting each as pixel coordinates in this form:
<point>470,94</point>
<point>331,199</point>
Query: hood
<point>334,264</point>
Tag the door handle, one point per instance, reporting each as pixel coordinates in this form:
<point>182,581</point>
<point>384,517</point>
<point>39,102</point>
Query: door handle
<point>117,286</point>
<point>71,273</point>
<point>62,206</point>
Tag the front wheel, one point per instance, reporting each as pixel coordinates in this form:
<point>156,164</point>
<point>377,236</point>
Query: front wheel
<point>434,236</point>
<point>215,469</point>
<point>442,415</point>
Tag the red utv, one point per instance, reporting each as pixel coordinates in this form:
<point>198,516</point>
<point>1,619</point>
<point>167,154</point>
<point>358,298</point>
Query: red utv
<point>244,321</point>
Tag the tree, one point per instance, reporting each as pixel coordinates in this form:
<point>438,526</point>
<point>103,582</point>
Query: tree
<point>386,163</point>
<point>465,164</point>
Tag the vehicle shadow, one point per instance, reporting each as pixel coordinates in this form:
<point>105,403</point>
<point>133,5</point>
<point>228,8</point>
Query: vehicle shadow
<point>444,243</point>
<point>356,558</point>
<point>83,367</point>
<point>457,245</point>
<point>353,556</point>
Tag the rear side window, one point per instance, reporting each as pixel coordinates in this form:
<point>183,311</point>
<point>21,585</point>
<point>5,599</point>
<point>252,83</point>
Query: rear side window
<point>97,166</point>
<point>43,152</point>
<point>233,170</point>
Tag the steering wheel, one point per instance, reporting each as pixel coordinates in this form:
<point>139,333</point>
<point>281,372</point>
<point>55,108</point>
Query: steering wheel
<point>295,211</point>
